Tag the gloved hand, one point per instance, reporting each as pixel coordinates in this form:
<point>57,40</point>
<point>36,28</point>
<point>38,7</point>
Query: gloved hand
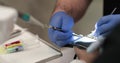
<point>106,24</point>
<point>64,22</point>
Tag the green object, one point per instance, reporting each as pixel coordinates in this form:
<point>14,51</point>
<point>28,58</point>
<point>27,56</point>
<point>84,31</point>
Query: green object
<point>11,50</point>
<point>14,49</point>
<point>26,17</point>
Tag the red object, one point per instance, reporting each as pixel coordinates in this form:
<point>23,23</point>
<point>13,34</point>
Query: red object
<point>16,42</point>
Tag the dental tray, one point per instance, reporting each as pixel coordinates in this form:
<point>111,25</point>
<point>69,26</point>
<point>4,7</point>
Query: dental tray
<point>35,50</point>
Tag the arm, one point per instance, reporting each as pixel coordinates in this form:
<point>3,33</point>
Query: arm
<point>65,14</point>
<point>75,8</point>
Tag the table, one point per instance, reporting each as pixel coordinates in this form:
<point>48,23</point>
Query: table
<point>35,50</point>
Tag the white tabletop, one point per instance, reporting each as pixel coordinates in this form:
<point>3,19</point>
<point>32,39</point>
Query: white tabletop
<point>35,50</point>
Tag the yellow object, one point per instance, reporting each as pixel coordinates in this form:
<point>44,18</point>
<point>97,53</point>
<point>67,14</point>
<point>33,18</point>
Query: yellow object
<point>2,50</point>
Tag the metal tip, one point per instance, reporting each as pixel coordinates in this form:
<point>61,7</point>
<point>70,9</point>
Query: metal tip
<point>113,10</point>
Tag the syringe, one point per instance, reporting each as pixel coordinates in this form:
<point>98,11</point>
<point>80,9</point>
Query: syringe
<point>30,19</point>
<point>26,17</point>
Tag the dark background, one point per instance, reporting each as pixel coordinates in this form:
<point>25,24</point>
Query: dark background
<point>109,5</point>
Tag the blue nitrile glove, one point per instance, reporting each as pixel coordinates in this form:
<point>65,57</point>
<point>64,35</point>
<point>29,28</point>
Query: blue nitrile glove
<point>106,24</point>
<point>64,22</point>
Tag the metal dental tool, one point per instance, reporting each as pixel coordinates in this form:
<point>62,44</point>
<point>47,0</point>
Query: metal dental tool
<point>113,10</point>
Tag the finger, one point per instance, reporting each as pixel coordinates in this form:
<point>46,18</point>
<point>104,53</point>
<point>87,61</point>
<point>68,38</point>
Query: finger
<point>105,28</point>
<point>67,23</point>
<point>56,20</point>
<point>104,20</point>
<point>64,42</point>
<point>61,43</point>
<point>63,35</point>
<point>105,33</point>
<point>51,34</point>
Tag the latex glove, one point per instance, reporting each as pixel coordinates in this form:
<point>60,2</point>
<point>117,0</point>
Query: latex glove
<point>106,24</point>
<point>65,22</point>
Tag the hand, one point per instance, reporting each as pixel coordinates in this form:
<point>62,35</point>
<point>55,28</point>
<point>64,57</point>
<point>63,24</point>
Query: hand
<point>106,24</point>
<point>64,22</point>
<point>84,55</point>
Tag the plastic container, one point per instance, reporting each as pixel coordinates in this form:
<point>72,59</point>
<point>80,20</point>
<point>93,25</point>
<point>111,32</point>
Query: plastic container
<point>8,17</point>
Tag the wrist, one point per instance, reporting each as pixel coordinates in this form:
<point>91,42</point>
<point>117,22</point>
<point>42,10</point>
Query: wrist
<point>58,10</point>
<point>68,12</point>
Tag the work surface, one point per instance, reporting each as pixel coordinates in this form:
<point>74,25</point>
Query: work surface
<point>35,50</point>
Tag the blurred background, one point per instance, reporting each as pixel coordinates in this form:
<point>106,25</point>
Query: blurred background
<point>42,9</point>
